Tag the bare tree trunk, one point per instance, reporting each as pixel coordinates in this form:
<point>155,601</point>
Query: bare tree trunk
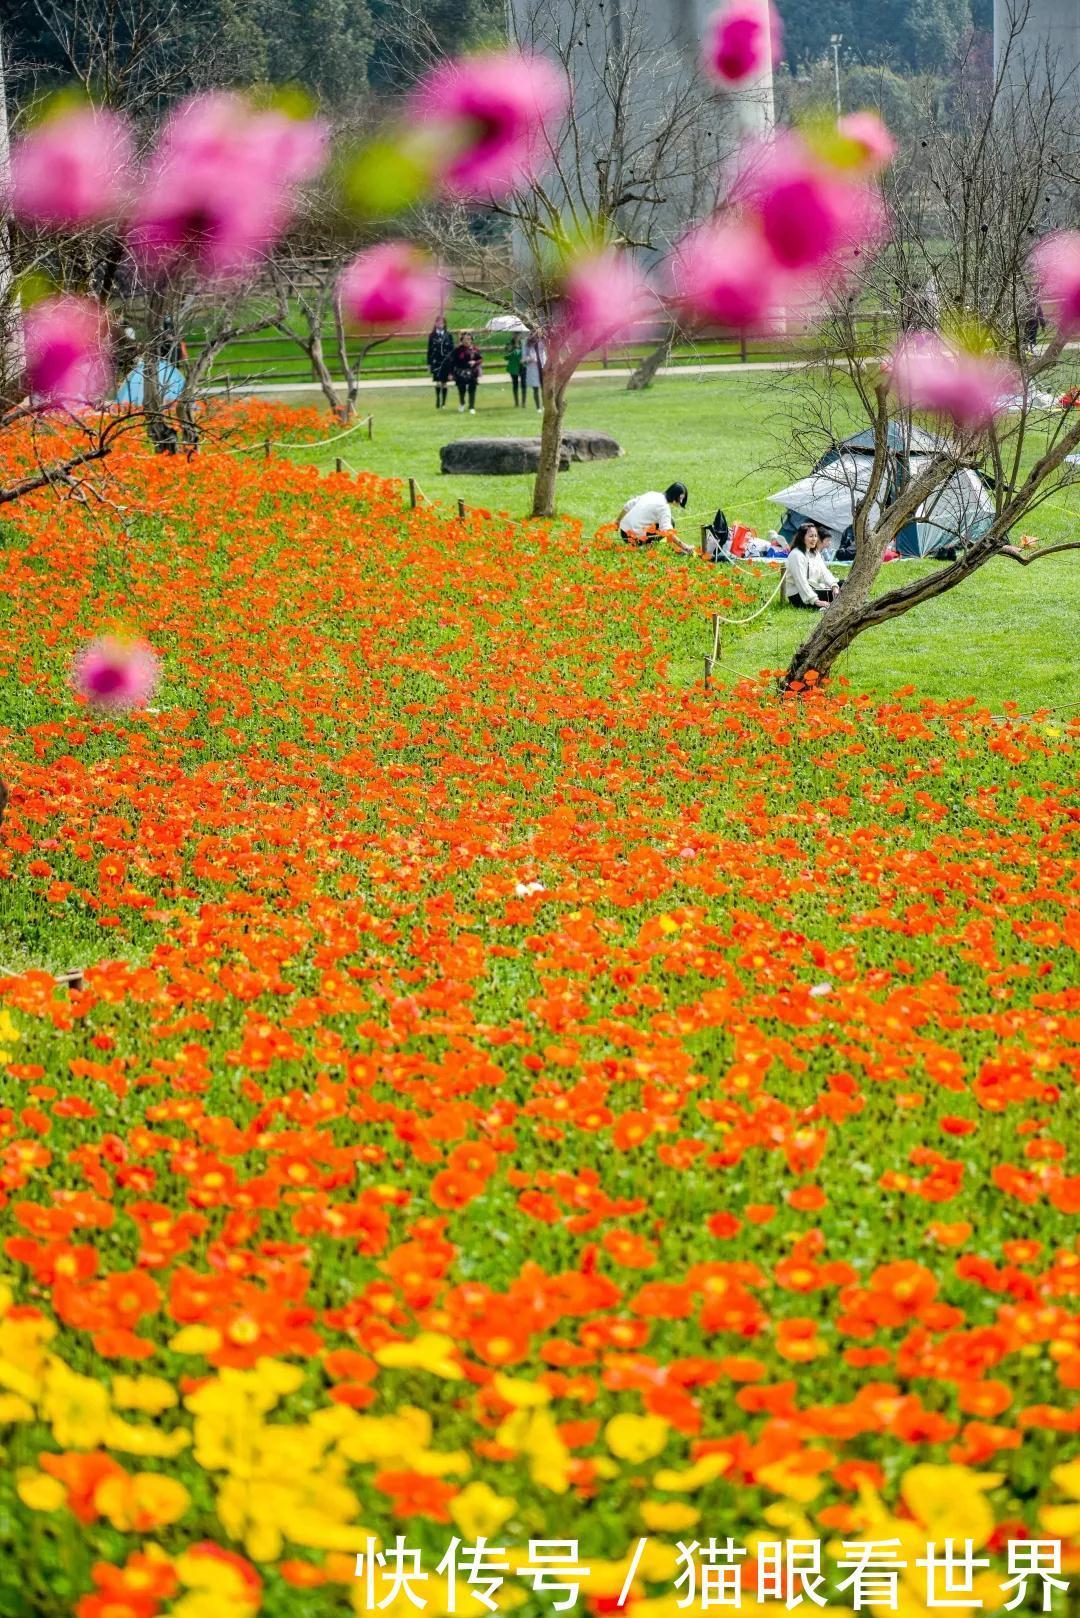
<point>645,372</point>
<point>553,394</point>
<point>159,430</point>
<point>323,377</point>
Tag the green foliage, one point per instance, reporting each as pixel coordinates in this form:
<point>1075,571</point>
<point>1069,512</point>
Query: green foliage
<point>152,50</point>
<point>907,35</point>
<point>404,41</point>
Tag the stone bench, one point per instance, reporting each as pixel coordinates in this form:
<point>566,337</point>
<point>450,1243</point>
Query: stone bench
<point>502,457</point>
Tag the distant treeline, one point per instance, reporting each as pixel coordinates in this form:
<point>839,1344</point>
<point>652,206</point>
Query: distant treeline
<point>139,52</point>
<point>920,36</point>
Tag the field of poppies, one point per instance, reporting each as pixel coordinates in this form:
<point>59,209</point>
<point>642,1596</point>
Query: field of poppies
<point>511,1094</point>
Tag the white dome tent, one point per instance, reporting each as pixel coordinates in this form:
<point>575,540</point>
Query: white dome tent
<point>957,512</point>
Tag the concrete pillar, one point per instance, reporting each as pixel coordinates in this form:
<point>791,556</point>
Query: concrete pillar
<point>1042,42</point>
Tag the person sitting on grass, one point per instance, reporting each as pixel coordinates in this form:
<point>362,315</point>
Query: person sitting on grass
<point>807,580</point>
<point>647,517</point>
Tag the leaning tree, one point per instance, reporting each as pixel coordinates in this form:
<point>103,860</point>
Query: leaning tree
<point>993,171</point>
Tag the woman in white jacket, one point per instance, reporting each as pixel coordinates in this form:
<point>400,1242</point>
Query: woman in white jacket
<point>807,580</point>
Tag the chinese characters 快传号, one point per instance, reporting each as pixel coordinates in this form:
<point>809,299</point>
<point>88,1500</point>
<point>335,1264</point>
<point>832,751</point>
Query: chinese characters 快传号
<point>719,1573</point>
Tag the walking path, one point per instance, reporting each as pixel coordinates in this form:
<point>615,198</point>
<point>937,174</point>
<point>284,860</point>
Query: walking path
<point>734,367</point>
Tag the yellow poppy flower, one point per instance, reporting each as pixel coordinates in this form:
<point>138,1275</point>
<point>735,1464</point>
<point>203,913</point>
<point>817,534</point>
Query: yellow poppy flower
<point>636,1438</point>
<point>40,1492</point>
<point>430,1351</point>
<point>143,1502</point>
<point>949,1501</point>
<point>668,1516</point>
<point>479,1512</point>
<point>693,1477</point>
<point>148,1394</point>
<point>76,1407</point>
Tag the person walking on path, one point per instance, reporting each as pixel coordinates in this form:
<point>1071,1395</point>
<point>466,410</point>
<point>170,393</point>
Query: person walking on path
<point>534,356</point>
<point>468,364</point>
<point>440,359</point>
<point>515,365</point>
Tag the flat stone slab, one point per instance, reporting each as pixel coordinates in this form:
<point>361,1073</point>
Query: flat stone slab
<point>586,445</point>
<point>496,457</point>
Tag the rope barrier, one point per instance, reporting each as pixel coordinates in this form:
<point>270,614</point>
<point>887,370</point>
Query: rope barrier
<point>267,444</point>
<point>718,619</point>
<point>318,443</point>
<point>735,622</point>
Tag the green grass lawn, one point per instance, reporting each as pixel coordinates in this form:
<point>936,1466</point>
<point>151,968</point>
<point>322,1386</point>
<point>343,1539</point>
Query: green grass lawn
<point>1007,636</point>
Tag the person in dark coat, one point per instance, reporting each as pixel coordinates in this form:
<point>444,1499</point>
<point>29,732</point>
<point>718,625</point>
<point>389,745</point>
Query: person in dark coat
<point>468,364</point>
<point>440,358</point>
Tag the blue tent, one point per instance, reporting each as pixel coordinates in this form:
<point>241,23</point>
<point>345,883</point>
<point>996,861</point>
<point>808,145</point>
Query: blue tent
<point>170,385</point>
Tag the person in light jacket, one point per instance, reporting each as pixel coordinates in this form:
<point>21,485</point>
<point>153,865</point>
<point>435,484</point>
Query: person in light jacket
<point>534,356</point>
<point>807,580</point>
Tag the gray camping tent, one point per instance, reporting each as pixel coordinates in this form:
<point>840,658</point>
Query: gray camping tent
<point>955,514</point>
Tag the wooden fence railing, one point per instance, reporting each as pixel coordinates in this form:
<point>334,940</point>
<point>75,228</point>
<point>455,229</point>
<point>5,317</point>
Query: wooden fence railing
<point>272,358</point>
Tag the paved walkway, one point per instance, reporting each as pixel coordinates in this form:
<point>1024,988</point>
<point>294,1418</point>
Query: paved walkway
<point>499,378</point>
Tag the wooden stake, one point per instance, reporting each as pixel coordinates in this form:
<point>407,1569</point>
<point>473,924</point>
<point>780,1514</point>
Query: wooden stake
<point>412,493</point>
<point>704,539</point>
<point>266,449</point>
<point>371,426</point>
<point>339,464</point>
<point>461,509</point>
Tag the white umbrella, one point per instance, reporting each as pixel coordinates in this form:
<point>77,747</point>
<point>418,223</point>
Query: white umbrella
<point>505,323</point>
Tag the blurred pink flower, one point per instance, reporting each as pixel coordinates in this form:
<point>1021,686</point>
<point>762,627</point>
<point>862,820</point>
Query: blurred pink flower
<point>741,40</point>
<point>603,295</point>
<point>73,169</point>
<point>725,275</point>
<point>1056,266</point>
<point>968,388</point>
<point>868,133</point>
<point>491,114</point>
<point>66,354</point>
<point>114,673</point>
<point>219,189</point>
<point>392,286</point>
<point>810,214</point>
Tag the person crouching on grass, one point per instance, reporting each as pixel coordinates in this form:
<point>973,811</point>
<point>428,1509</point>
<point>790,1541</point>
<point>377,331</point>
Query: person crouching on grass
<point>807,580</point>
<point>647,517</point>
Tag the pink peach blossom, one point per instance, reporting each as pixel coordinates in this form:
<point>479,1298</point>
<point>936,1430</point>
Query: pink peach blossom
<point>1056,265</point>
<point>392,286</point>
<point>493,115</point>
<point>72,169</point>
<point>220,187</point>
<point>809,213</point>
<point>604,294</point>
<point>967,388</point>
<point>724,275</point>
<point>116,674</point>
<point>741,40</point>
<point>867,132</point>
<point>66,354</point>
